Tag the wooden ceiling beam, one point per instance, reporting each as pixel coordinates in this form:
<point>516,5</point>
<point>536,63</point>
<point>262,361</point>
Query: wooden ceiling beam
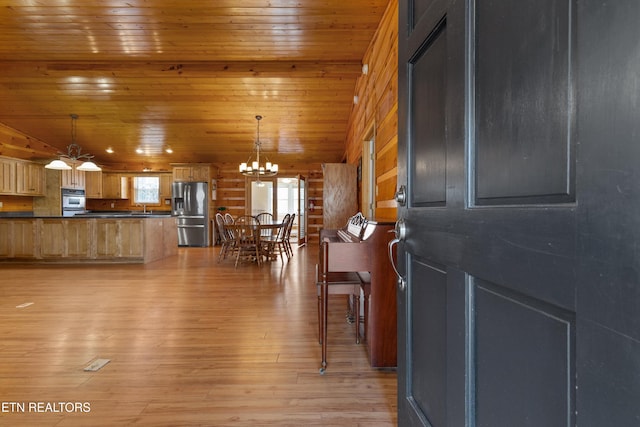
<point>204,69</point>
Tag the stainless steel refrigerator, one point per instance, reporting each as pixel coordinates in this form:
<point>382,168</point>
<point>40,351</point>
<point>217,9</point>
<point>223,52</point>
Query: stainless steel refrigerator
<point>189,204</point>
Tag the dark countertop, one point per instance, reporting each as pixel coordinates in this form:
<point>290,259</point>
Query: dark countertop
<point>20,214</point>
<point>88,215</point>
<point>117,214</point>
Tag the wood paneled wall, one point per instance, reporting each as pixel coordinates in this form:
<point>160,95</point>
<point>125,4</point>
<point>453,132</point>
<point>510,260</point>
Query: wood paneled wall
<point>376,112</point>
<point>340,201</point>
<point>14,143</point>
<point>16,204</point>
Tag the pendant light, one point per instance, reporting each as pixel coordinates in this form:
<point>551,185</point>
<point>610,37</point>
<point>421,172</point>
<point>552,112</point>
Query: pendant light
<point>74,154</point>
<point>252,167</point>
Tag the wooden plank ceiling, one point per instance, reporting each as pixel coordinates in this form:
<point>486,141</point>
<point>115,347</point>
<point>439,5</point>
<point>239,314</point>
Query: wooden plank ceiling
<point>186,74</point>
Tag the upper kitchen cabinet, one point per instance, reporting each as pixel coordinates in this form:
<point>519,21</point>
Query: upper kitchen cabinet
<point>114,186</point>
<point>7,176</point>
<point>21,177</point>
<point>191,172</point>
<point>165,186</point>
<point>73,178</point>
<point>29,179</point>
<point>93,185</point>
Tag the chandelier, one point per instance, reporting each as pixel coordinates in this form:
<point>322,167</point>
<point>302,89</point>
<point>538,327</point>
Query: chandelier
<point>253,167</point>
<point>74,154</point>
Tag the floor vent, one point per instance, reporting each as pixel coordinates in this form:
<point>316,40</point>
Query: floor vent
<point>97,365</point>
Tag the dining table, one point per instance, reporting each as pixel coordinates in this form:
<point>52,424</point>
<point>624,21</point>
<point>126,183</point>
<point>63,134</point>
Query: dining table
<point>267,233</point>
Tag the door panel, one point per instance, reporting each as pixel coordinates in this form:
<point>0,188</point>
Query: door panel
<point>524,359</point>
<point>523,101</point>
<point>427,358</point>
<point>428,77</point>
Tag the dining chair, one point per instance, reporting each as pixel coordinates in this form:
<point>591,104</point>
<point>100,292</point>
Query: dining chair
<point>228,218</point>
<point>273,242</point>
<point>265,218</point>
<point>226,238</point>
<point>247,242</point>
<point>287,237</point>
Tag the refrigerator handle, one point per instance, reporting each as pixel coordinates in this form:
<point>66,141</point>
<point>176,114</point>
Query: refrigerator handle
<point>187,198</point>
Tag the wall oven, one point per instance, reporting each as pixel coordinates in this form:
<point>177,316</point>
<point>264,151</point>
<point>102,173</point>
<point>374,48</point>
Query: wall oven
<point>73,201</point>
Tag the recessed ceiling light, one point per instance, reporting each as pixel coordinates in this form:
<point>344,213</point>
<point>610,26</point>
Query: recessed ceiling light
<point>168,150</point>
<point>109,150</point>
<point>139,150</point>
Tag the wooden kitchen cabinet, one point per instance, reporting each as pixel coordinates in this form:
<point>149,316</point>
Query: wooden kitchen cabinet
<point>80,240</point>
<point>21,177</point>
<point>108,241</point>
<point>6,242</point>
<point>18,238</point>
<point>93,185</point>
<point>201,173</point>
<point>132,239</point>
<point>73,179</point>
<point>114,186</point>
<point>118,238</point>
<point>192,172</point>
<point>181,173</point>
<point>165,186</point>
<point>52,238</point>
<point>29,179</point>
<point>23,239</point>
<point>65,238</point>
<point>7,176</point>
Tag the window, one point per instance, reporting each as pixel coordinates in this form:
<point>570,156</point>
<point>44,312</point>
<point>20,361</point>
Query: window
<point>146,190</point>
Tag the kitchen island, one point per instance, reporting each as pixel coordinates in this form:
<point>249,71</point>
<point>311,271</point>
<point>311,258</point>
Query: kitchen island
<point>88,239</point>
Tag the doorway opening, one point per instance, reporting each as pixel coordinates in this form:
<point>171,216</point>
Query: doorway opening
<point>281,196</point>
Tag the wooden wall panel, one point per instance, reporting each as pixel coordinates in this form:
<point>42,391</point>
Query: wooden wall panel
<point>386,184</point>
<point>16,204</point>
<point>376,109</point>
<point>340,196</point>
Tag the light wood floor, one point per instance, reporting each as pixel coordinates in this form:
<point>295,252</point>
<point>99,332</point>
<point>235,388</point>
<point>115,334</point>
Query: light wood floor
<point>190,342</point>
